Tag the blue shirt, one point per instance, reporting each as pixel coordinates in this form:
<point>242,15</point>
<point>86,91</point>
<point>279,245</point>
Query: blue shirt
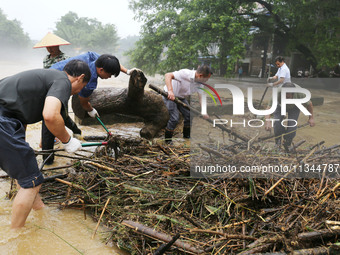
<point>90,58</point>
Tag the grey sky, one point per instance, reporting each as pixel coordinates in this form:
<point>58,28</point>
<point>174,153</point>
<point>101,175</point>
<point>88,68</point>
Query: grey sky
<point>38,17</point>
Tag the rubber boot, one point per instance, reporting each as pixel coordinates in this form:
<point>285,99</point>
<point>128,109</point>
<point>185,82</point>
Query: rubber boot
<point>50,159</point>
<point>186,132</point>
<point>168,136</point>
<point>286,144</point>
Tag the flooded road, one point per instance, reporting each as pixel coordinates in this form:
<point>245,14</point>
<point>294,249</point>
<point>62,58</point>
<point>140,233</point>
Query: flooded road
<point>50,231</point>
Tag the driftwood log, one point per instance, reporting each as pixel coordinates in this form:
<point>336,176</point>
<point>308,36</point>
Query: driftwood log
<point>132,101</point>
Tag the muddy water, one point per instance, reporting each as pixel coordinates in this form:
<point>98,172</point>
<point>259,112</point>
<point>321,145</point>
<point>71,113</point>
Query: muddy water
<point>50,231</point>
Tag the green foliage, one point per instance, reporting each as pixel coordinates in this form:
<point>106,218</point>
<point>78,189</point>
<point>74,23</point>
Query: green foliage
<point>176,32</point>
<point>11,33</point>
<point>319,28</point>
<point>311,27</point>
<point>86,34</point>
<point>124,46</point>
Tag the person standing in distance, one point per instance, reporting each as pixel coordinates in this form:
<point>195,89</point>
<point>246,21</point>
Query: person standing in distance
<point>52,42</point>
<point>282,75</point>
<point>284,135</point>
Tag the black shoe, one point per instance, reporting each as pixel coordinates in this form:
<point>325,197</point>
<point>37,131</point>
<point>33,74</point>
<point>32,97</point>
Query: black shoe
<point>286,145</point>
<point>186,132</point>
<point>168,136</point>
<point>48,162</point>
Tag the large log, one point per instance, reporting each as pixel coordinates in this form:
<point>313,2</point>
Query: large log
<point>132,101</point>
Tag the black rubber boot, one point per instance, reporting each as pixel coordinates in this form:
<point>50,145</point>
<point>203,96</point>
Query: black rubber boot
<point>168,136</point>
<point>186,132</point>
<point>286,144</point>
<point>48,158</point>
<point>72,125</point>
<point>47,143</point>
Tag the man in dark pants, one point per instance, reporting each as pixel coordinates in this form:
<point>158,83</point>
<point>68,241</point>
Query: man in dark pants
<point>180,84</point>
<point>27,98</point>
<point>285,135</point>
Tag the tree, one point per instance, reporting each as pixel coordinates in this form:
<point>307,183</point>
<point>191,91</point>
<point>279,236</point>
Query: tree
<point>87,34</point>
<point>309,26</point>
<point>125,45</point>
<point>12,34</point>
<point>176,32</point>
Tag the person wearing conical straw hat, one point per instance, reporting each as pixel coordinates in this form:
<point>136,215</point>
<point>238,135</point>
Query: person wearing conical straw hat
<point>52,42</point>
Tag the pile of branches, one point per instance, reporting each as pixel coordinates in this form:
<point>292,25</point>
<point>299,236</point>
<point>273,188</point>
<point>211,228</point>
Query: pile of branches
<point>151,205</point>
<point>261,160</point>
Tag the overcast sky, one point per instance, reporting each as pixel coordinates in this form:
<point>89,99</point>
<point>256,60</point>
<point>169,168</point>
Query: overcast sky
<point>38,17</point>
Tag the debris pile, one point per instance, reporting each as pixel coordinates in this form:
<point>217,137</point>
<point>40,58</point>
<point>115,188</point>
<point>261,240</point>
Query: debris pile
<point>151,205</point>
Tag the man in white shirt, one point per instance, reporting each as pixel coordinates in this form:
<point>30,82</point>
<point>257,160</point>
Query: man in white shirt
<point>282,75</point>
<point>180,84</point>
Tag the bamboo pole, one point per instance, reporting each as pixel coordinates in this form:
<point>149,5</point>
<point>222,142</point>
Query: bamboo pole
<point>101,216</point>
<point>225,235</point>
<point>69,184</point>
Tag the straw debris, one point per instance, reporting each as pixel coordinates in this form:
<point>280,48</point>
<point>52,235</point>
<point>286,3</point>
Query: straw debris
<point>147,197</point>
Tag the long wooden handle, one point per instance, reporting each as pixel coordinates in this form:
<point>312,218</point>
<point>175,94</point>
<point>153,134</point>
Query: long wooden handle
<point>165,94</point>
<point>265,91</point>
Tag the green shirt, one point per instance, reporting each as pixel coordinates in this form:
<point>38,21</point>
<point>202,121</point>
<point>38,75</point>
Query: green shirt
<point>48,61</point>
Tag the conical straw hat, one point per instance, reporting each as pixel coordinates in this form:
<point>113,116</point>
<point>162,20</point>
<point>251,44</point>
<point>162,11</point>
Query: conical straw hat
<point>51,40</point>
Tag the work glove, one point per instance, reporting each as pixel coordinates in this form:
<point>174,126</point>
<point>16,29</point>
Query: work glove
<point>270,84</point>
<point>93,113</point>
<point>72,145</point>
<point>129,71</point>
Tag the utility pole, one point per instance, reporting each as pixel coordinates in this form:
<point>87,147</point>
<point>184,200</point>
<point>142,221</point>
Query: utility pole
<point>270,55</point>
<point>264,58</point>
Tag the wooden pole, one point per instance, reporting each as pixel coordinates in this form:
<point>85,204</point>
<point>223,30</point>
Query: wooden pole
<point>101,216</point>
<point>165,94</point>
<point>196,112</point>
<point>160,236</point>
